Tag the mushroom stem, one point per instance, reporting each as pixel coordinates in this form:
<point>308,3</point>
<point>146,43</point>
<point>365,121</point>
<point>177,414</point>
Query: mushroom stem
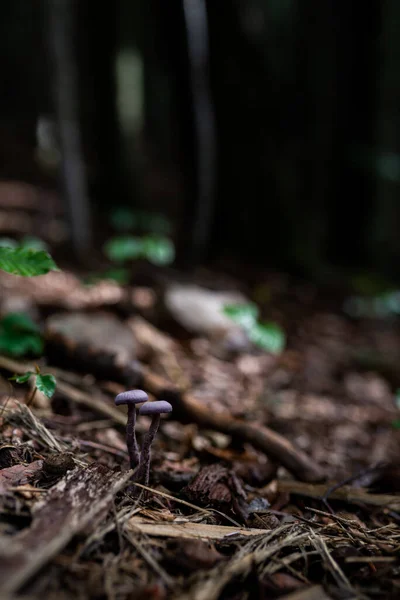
<point>144,469</point>
<point>131,441</point>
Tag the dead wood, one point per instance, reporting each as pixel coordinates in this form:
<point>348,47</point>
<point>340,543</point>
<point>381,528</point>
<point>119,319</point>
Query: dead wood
<point>278,448</point>
<point>344,493</point>
<point>71,506</point>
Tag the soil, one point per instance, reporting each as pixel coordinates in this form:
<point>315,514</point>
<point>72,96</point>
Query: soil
<point>275,476</point>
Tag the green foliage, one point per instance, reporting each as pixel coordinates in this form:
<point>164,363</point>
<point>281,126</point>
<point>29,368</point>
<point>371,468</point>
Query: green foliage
<point>25,261</point>
<point>383,305</point>
<point>268,336</point>
<point>158,250</point>
<point>19,335</point>
<point>29,241</point>
<point>123,247</point>
<point>45,383</point>
<point>6,242</point>
<point>34,243</point>
<point>22,378</point>
<point>154,246</point>
<point>245,315</point>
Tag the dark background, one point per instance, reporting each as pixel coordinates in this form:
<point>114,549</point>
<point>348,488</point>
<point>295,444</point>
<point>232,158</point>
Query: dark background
<point>268,134</point>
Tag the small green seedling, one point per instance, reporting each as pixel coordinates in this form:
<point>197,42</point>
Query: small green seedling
<point>267,336</point>
<point>157,249</point>
<point>45,383</point>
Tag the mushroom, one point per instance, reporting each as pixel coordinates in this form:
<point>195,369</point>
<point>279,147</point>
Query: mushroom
<point>131,398</point>
<point>155,409</point>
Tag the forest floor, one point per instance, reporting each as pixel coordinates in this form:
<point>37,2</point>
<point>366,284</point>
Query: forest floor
<point>275,476</point>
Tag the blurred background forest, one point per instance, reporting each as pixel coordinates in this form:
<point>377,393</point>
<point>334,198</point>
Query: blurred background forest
<point>261,130</point>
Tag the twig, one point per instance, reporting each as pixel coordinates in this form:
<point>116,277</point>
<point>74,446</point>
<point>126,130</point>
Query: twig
<point>188,408</point>
<point>345,493</point>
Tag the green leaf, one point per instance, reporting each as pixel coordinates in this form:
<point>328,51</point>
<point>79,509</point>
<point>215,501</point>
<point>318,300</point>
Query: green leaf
<point>245,315</point>
<point>123,247</point>
<point>19,322</point>
<point>17,344</point>
<point>158,250</point>
<point>46,384</point>
<point>19,335</point>
<point>268,336</point>
<point>396,423</point>
<point>22,378</point>
<point>26,262</point>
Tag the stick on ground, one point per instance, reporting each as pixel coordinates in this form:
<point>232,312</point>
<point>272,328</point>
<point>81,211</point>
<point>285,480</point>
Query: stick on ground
<point>274,445</point>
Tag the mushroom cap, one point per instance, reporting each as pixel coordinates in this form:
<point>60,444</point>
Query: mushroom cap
<point>131,397</point>
<point>155,408</point>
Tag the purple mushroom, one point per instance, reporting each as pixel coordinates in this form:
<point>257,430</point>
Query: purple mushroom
<point>155,409</point>
<point>131,398</point>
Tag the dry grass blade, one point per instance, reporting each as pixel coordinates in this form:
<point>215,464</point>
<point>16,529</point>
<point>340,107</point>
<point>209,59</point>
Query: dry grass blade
<point>334,568</point>
<point>117,521</point>
<point>32,426</point>
<point>149,559</point>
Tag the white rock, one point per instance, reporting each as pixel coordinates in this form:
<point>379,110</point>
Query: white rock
<point>200,310</point>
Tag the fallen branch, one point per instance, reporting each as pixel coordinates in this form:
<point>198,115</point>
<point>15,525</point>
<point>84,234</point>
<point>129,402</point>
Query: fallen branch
<point>274,445</point>
<point>344,493</point>
<point>70,507</point>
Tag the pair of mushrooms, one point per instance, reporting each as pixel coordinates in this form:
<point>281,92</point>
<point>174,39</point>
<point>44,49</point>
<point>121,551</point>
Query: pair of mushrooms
<point>154,409</point>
